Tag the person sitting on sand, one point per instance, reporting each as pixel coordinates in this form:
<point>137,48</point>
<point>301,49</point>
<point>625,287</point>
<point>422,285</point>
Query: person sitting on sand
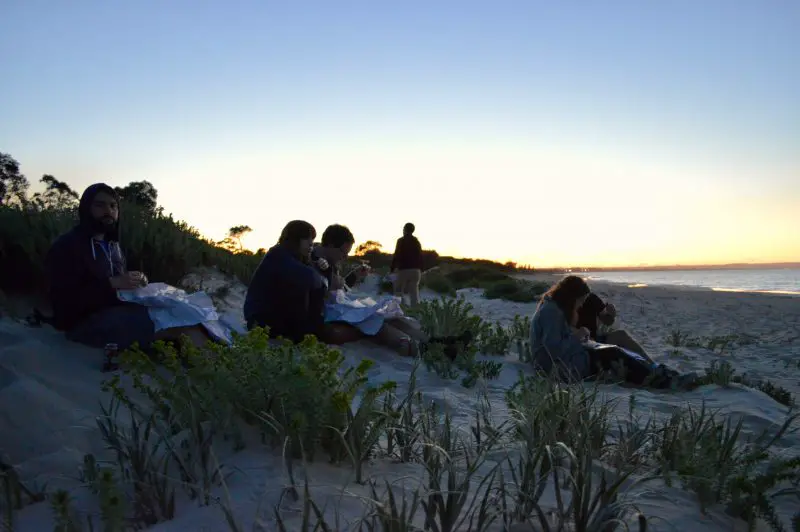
<point>286,294</point>
<point>85,269</point>
<point>595,311</point>
<point>407,261</point>
<point>327,257</point>
<point>398,333</point>
<point>558,344</point>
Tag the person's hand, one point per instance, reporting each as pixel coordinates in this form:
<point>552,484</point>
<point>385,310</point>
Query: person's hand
<point>140,277</point>
<point>322,264</point>
<point>582,334</point>
<point>610,310</point>
<point>128,281</point>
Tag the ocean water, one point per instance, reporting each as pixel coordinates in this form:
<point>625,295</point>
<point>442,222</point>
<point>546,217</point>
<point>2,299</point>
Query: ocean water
<point>780,280</point>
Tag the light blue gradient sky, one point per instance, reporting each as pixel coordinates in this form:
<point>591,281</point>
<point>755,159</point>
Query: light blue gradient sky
<point>551,133</point>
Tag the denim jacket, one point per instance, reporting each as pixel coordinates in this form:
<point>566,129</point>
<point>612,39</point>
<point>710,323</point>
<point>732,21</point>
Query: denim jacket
<point>553,344</point>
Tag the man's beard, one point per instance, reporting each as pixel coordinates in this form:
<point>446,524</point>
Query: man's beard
<point>104,226</point>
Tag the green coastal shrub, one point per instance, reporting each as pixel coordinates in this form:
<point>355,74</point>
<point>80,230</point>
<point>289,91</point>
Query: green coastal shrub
<point>496,284</point>
<point>517,290</point>
<point>567,444</point>
<point>437,282</point>
<point>155,243</point>
<point>300,392</point>
<point>474,277</point>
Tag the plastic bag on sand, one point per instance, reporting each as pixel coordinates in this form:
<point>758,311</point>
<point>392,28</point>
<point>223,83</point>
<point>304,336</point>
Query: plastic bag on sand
<point>363,312</point>
<point>171,307</point>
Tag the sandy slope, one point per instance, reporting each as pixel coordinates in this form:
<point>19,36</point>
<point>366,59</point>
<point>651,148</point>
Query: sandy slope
<point>49,394</point>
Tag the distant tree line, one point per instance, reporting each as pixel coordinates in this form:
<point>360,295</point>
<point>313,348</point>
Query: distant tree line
<point>58,195</point>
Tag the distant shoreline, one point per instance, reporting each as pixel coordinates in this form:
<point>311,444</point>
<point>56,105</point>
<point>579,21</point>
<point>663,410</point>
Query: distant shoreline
<point>553,277</point>
<point>704,267</point>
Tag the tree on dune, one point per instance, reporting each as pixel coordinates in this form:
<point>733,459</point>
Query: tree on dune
<point>141,193</point>
<point>57,194</point>
<point>13,184</point>
<point>370,246</point>
<point>233,242</point>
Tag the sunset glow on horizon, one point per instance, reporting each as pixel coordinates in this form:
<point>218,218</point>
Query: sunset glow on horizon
<point>620,134</point>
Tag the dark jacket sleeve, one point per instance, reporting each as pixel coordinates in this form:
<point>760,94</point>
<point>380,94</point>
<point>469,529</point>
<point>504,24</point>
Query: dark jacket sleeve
<point>302,303</point>
<point>588,313</point>
<point>75,292</point>
<point>351,279</point>
<point>407,254</point>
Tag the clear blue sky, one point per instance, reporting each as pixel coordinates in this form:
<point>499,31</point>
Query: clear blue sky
<point>608,132</point>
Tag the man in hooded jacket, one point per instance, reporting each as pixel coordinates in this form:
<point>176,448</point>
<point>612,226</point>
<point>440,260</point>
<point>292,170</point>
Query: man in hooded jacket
<point>85,268</point>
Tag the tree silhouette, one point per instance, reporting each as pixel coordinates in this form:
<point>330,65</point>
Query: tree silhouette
<point>141,193</point>
<point>13,185</point>
<point>370,246</point>
<point>57,194</point>
<point>233,242</point>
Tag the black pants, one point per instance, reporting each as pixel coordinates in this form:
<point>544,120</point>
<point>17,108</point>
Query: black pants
<point>636,371</point>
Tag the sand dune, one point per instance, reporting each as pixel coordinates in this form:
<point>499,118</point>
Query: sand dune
<point>50,392</point>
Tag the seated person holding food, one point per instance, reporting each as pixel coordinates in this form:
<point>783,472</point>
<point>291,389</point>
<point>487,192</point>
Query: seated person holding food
<point>399,333</point>
<point>85,269</point>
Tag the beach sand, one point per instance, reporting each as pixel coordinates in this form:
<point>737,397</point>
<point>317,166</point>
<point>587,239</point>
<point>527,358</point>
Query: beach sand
<point>50,395</point>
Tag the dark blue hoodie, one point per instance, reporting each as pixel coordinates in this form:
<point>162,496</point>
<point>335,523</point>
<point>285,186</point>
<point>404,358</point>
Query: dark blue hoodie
<point>79,267</point>
<point>285,295</point>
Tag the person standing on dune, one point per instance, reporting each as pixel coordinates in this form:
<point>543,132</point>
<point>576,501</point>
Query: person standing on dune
<point>407,261</point>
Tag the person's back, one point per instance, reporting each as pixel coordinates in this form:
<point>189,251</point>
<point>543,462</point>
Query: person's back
<point>408,254</point>
<point>553,342</point>
<point>284,295</point>
<point>407,261</point>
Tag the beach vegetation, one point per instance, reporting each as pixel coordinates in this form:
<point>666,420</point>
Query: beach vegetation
<point>15,495</point>
<point>565,455</point>
<point>722,373</point>
<point>496,284</point>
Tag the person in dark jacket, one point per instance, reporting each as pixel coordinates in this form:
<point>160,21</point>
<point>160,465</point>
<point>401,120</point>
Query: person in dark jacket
<point>85,268</point>
<point>595,311</point>
<point>407,262</point>
<point>286,294</point>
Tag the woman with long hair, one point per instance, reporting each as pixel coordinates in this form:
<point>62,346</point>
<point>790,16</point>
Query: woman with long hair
<point>286,294</point>
<point>559,345</point>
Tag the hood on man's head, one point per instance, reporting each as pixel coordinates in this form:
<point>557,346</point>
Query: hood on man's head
<point>85,210</point>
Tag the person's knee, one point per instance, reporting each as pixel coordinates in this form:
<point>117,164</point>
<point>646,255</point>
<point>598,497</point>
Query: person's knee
<point>340,333</point>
